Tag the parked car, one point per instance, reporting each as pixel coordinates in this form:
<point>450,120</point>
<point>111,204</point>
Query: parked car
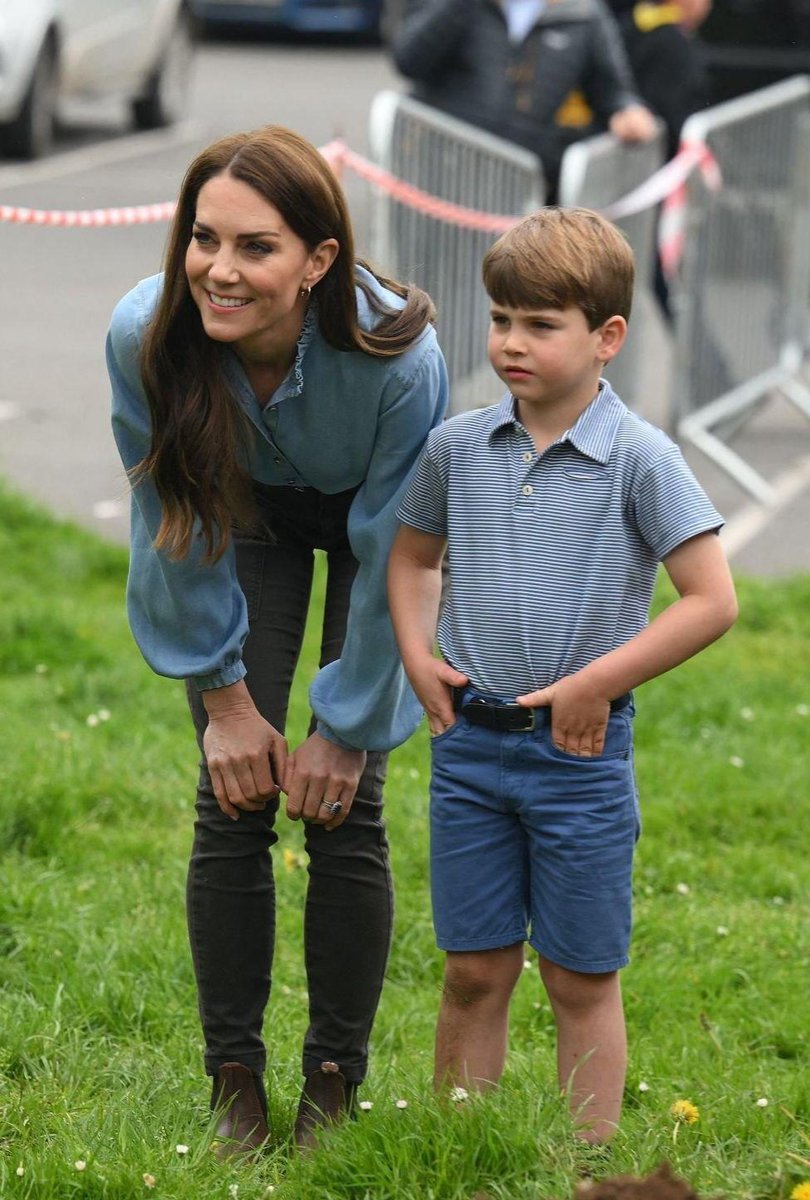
<point>53,50</point>
<point>301,16</point>
<point>752,43</point>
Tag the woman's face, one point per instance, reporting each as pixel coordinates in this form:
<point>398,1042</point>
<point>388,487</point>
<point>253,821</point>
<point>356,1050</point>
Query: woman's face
<point>246,270</point>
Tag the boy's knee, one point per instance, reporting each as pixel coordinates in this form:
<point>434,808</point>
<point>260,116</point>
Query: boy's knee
<point>577,991</point>
<point>470,977</point>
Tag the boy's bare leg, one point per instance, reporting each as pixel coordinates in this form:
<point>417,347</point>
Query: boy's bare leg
<point>591,1046</point>
<point>473,1022</point>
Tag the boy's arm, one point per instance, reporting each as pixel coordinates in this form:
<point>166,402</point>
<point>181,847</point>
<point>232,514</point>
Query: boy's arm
<point>414,596</point>
<point>706,607</point>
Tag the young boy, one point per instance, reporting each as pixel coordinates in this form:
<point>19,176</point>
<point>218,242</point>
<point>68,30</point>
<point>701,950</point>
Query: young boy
<point>556,504</point>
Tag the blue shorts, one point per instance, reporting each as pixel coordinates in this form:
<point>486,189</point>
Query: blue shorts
<point>526,837</point>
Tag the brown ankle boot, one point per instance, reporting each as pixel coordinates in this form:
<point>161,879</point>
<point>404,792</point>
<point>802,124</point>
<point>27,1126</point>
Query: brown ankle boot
<point>242,1126</point>
<point>326,1098</point>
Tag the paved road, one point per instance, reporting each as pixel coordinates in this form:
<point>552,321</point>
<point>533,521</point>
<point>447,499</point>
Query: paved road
<point>60,285</point>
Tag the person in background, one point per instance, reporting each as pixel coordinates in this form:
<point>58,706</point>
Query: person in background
<point>541,73</point>
<point>557,506</point>
<point>270,396</point>
<point>667,63</point>
<point>666,58</point>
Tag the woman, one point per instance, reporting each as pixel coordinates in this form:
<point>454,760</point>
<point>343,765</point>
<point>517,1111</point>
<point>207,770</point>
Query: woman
<point>270,396</point>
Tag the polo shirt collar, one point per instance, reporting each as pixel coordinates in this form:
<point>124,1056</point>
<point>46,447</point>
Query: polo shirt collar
<point>594,431</point>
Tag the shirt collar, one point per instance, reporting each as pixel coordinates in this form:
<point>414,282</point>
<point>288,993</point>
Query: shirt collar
<point>293,385</point>
<point>293,382</point>
<point>594,431</point>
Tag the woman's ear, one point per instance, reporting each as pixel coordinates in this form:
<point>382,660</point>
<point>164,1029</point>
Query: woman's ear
<point>611,338</point>
<point>320,260</point>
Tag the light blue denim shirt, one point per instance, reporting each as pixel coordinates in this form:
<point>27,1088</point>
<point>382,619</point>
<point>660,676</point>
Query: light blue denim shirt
<point>339,420</point>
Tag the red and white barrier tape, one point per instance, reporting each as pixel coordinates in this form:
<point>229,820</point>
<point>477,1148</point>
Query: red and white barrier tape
<point>667,184</point>
<point>337,154</point>
<point>139,214</point>
<point>672,222</point>
<point>424,202</point>
<point>667,180</point>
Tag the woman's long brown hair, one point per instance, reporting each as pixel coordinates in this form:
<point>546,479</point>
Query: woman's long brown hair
<point>199,455</point>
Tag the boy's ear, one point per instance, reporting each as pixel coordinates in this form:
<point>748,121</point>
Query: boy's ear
<point>611,338</point>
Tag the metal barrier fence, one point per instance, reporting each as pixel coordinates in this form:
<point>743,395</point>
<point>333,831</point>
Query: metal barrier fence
<point>458,162</point>
<point>595,173</point>
<point>742,292</point>
<point>454,161</point>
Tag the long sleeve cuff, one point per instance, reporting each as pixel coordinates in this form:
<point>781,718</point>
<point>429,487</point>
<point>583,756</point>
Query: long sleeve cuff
<point>221,678</point>
<point>327,732</point>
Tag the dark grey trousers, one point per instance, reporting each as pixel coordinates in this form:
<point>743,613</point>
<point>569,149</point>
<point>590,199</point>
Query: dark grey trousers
<point>231,897</point>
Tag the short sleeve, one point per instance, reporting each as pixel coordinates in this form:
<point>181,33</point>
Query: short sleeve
<point>670,506</point>
<point>424,505</point>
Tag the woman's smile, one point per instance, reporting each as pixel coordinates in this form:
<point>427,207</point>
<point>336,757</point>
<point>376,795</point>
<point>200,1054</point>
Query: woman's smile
<point>226,302</point>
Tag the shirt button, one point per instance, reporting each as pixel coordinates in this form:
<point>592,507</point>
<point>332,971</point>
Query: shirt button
<point>527,489</point>
<point>277,460</point>
<point>527,456</point>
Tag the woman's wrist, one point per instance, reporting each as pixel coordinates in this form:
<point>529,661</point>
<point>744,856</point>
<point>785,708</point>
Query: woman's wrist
<point>228,700</point>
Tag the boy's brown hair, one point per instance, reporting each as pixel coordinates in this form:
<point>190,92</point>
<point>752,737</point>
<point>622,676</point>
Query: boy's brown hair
<point>562,256</point>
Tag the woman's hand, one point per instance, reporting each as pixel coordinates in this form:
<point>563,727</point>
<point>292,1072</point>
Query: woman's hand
<point>246,756</point>
<point>321,773</point>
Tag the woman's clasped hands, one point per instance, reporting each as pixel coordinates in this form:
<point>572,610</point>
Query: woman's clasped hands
<point>250,764</point>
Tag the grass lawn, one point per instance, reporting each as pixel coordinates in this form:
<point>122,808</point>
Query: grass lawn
<point>101,1089</point>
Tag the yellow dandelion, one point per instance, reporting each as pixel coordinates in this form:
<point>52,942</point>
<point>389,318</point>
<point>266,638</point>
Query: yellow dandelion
<point>685,1112</point>
<point>293,860</point>
<point>801,1191</point>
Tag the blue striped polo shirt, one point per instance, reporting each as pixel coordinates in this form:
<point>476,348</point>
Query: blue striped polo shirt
<point>552,556</point>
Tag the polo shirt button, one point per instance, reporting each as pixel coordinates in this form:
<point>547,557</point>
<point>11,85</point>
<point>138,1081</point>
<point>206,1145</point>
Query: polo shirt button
<point>527,456</point>
<point>527,489</point>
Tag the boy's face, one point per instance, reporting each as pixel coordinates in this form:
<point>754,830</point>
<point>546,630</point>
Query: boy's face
<point>548,357</point>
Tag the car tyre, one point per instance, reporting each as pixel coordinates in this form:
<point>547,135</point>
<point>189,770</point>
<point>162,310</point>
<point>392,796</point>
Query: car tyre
<point>165,99</point>
<point>31,133</point>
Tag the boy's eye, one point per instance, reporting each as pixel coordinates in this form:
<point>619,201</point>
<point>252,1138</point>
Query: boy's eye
<point>498,319</point>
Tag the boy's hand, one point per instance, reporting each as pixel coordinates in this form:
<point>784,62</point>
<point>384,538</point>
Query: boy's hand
<point>433,681</point>
<point>579,716</point>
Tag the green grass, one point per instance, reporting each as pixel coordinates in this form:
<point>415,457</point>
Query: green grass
<point>99,1043</point>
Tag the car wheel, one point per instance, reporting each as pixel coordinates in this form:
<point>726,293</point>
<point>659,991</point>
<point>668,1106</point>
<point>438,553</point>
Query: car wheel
<point>166,97</point>
<point>30,134</point>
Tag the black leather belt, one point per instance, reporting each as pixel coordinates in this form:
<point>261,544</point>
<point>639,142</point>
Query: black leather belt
<point>506,717</point>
